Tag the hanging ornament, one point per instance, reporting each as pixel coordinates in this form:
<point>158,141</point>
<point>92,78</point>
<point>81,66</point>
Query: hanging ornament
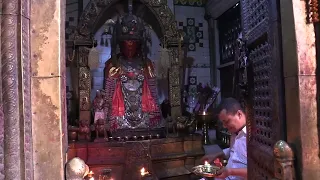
<point>163,63</point>
<point>94,58</point>
<point>106,42</point>
<point>102,41</point>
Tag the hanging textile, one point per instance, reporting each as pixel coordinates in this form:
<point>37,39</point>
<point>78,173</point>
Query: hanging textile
<point>163,64</point>
<point>94,58</point>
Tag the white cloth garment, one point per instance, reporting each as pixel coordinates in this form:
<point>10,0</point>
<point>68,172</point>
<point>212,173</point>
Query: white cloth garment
<point>237,153</point>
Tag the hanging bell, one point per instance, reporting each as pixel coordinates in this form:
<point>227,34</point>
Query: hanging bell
<point>102,41</point>
<point>106,42</point>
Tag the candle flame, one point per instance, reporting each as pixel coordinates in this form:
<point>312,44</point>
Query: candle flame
<point>143,172</point>
<point>204,113</point>
<point>206,163</point>
<point>90,172</point>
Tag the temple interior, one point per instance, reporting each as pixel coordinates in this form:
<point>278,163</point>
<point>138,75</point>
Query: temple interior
<point>129,90</point>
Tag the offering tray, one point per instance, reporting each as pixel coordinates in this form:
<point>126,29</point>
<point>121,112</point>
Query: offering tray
<point>206,171</point>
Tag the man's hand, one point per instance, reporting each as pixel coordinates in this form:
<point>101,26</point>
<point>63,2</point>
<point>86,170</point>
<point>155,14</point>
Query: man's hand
<point>223,173</point>
<point>211,157</point>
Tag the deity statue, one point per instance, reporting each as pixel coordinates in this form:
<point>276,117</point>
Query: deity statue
<point>130,81</point>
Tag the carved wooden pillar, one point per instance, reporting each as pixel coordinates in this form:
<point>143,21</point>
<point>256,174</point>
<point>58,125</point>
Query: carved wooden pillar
<point>174,81</point>
<point>84,85</point>
<point>48,89</point>
<point>16,99</point>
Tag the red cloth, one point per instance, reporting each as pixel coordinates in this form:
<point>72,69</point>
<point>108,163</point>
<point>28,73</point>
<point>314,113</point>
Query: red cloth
<point>148,103</point>
<point>118,101</point>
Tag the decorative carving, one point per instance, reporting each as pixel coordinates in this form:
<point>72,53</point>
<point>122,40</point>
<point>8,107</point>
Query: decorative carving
<point>1,142</point>
<point>175,96</point>
<point>84,100</point>
<point>15,93</point>
<point>174,57</point>
<point>26,66</point>
<point>284,164</point>
<point>83,56</point>
<point>96,8</point>
<point>313,10</point>
<point>84,78</point>
<point>174,76</point>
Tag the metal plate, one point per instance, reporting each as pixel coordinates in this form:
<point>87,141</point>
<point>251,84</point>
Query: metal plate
<point>201,170</point>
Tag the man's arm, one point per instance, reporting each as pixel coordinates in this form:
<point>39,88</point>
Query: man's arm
<point>242,172</point>
<point>212,157</point>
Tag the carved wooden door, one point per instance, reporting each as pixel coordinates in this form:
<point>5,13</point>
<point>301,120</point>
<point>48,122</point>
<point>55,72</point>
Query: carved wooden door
<point>260,22</point>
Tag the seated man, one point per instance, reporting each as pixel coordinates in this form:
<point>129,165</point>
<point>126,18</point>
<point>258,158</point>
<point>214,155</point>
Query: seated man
<point>233,118</point>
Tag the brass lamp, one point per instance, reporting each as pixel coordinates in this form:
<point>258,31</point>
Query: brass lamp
<point>205,118</point>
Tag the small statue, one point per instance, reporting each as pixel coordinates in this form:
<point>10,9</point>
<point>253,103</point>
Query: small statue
<point>100,130</point>
<point>76,169</point>
<point>171,124</point>
<point>84,130</point>
<point>182,122</point>
<point>98,104</point>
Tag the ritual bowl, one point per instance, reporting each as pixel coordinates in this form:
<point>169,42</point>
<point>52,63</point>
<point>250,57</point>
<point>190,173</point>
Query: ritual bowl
<point>206,171</point>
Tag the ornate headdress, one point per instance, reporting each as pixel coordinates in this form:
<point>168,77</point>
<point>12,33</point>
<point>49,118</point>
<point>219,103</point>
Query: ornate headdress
<point>129,27</point>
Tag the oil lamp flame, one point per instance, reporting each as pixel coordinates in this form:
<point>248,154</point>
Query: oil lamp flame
<point>90,175</point>
<point>143,172</point>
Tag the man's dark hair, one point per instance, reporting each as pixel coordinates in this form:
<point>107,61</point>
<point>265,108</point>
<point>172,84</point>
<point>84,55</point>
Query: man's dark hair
<point>231,105</point>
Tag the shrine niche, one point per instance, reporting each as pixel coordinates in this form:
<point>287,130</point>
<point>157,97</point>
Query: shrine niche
<point>122,123</point>
<point>161,20</point>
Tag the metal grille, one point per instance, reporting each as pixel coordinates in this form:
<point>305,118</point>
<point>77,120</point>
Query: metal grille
<point>265,97</point>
